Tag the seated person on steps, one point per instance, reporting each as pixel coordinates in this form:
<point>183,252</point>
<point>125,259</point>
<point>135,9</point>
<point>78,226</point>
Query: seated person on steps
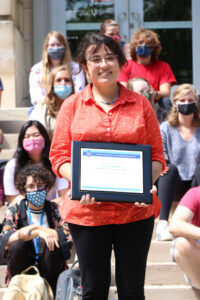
<point>33,232</point>
<point>185,226</point>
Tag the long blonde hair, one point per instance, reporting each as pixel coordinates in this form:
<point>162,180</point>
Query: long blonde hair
<point>46,65</point>
<point>180,92</point>
<point>50,99</point>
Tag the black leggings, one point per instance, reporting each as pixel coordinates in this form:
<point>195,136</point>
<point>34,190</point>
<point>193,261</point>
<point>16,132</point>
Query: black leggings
<point>94,245</point>
<point>171,188</point>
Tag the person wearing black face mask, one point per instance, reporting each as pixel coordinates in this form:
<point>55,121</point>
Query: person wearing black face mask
<point>145,49</point>
<point>181,142</point>
<point>33,233</point>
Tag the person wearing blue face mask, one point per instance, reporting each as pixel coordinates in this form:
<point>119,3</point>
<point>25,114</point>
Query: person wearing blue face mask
<point>33,233</point>
<point>56,52</point>
<point>145,48</point>
<point>59,87</point>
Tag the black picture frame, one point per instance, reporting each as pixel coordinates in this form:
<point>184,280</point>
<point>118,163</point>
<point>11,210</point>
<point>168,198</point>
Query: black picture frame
<point>111,196</point>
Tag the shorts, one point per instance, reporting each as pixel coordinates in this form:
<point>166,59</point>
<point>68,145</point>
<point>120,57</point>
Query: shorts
<point>172,248</point>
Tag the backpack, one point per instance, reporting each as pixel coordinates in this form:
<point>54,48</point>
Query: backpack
<point>28,287</point>
<point>69,284</point>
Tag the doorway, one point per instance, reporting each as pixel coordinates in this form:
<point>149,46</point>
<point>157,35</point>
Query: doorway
<point>178,29</point>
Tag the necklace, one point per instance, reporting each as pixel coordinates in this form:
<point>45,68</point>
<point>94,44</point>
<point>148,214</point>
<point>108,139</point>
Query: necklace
<point>114,100</point>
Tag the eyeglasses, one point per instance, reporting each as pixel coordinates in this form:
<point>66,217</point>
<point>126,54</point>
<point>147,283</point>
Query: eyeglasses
<point>109,59</point>
<point>35,187</point>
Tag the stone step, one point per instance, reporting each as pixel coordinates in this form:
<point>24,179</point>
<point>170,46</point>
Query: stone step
<point>10,141</point>
<point>156,293</point>
<point>11,126</point>
<point>17,113</point>
<point>2,290</point>
<point>159,274</point>
<point>156,274</point>
<point>2,277</point>
<point>7,153</point>
<point>166,292</point>
<point>159,251</point>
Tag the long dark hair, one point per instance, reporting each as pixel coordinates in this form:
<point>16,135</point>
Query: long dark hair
<point>21,155</point>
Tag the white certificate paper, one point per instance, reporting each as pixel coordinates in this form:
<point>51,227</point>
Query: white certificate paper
<point>111,170</point>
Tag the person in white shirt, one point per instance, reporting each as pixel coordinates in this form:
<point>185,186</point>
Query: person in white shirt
<point>59,87</point>
<point>33,148</point>
<point>56,52</point>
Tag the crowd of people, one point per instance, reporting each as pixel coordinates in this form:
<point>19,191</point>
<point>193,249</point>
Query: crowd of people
<point>115,92</point>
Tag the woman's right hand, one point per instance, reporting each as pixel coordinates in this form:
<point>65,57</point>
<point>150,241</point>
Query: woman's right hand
<point>50,236</point>
<point>87,200</point>
<point>164,172</point>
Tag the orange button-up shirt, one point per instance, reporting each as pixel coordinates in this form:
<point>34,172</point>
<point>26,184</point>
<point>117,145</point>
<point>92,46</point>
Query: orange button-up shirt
<point>131,120</point>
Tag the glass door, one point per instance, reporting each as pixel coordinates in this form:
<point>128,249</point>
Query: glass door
<point>178,25</point>
<point>176,22</point>
<point>83,16</point>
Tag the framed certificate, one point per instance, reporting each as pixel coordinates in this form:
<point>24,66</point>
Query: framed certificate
<point>111,172</point>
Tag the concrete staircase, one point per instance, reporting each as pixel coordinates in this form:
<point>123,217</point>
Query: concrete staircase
<point>11,121</point>
<point>164,279</point>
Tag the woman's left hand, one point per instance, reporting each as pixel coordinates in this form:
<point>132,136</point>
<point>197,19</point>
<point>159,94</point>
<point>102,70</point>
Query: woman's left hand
<point>153,191</point>
<point>87,200</point>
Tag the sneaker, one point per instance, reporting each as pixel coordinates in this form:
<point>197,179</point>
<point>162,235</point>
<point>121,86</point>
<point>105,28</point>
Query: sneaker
<point>162,232</point>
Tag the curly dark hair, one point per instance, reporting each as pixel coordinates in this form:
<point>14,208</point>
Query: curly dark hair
<point>151,38</point>
<point>21,155</point>
<point>39,174</point>
<point>98,40</point>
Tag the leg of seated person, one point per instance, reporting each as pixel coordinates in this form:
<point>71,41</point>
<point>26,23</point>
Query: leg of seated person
<point>20,255</point>
<point>187,256</point>
<point>166,190</point>
<point>51,265</point>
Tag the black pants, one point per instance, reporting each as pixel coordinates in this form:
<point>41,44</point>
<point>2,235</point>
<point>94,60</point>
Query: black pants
<point>171,188</point>
<point>94,246</point>
<point>196,177</point>
<point>21,255</point>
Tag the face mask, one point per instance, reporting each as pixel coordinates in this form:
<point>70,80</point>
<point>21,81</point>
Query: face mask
<point>56,53</point>
<point>37,198</point>
<point>143,51</point>
<point>34,146</point>
<point>117,38</point>
<point>62,91</point>
<point>187,109</point>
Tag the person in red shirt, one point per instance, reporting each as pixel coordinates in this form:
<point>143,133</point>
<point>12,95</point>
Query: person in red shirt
<point>185,226</point>
<point>105,111</point>
<point>145,48</point>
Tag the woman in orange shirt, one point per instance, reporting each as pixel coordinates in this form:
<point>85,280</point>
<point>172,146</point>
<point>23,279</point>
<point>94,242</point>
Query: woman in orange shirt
<point>105,111</point>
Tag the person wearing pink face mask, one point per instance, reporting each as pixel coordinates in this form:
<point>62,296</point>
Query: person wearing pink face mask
<point>111,28</point>
<point>33,148</point>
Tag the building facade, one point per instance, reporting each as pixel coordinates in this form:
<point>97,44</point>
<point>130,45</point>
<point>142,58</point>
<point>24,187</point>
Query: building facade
<point>25,23</point>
